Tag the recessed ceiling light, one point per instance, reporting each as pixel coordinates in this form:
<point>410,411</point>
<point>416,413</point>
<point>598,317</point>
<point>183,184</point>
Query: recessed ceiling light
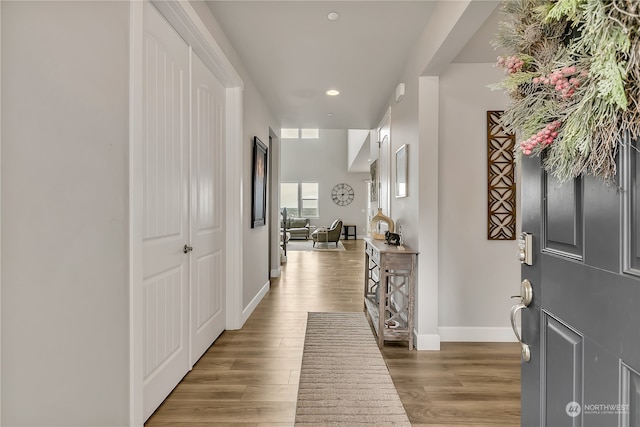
<point>333,92</point>
<point>333,16</point>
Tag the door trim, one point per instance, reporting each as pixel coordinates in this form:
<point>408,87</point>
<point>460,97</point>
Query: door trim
<point>627,152</point>
<point>186,21</point>
<point>384,163</point>
<point>0,205</point>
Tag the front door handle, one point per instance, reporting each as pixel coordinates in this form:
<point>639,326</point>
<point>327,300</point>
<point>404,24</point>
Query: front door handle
<point>524,348</point>
<point>526,297</point>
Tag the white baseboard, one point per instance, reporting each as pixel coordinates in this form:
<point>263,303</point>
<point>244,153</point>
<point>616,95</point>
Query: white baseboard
<point>276,272</point>
<point>254,302</point>
<point>427,341</point>
<point>476,334</point>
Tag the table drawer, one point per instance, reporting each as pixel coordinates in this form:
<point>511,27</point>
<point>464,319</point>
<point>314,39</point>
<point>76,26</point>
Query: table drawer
<point>398,262</point>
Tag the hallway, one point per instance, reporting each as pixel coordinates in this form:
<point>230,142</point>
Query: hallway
<point>249,377</point>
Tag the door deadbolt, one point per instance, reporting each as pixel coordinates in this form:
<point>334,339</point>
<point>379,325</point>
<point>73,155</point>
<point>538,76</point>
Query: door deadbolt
<point>525,248</point>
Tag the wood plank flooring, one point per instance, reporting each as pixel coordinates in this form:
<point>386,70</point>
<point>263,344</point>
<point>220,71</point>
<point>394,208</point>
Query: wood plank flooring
<point>250,377</point>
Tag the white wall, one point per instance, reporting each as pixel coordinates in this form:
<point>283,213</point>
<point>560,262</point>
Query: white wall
<point>257,269</point>
<point>324,160</point>
<point>404,130</point>
<point>357,147</point>
<point>257,120</point>
<point>65,284</point>
<point>477,276</point>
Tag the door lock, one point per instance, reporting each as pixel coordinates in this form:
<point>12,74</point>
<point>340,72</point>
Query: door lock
<point>187,249</point>
<point>525,248</point>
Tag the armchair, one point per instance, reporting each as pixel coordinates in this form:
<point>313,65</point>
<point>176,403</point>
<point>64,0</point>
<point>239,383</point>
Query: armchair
<point>333,233</point>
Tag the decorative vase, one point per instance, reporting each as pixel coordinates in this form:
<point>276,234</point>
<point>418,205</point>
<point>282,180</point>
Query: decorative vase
<point>377,225</point>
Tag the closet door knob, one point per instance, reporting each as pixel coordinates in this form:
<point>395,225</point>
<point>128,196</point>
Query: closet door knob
<point>187,249</point>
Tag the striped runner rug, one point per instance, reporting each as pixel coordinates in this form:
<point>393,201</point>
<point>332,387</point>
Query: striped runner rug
<point>344,380</point>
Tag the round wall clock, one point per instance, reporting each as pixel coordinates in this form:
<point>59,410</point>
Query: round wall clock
<point>342,194</point>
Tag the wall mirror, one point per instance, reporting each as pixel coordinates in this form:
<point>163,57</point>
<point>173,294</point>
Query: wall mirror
<point>401,171</point>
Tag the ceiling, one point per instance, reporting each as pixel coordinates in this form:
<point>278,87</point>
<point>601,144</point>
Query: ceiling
<point>294,54</point>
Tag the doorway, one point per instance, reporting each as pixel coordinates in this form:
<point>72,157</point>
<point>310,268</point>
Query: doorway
<point>203,213</point>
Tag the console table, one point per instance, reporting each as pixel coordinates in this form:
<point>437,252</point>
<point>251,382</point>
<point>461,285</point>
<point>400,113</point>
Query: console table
<point>389,290</point>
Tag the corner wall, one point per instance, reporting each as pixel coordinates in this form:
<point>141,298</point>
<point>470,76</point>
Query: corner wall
<point>65,215</point>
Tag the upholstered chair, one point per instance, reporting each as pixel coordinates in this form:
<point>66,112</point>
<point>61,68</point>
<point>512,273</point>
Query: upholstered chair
<point>333,233</point>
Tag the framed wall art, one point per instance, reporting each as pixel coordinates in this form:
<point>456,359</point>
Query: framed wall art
<point>501,188</point>
<point>373,169</point>
<point>259,184</point>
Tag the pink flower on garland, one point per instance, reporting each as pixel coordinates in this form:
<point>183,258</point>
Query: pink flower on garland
<point>544,138</point>
<point>511,64</point>
<point>564,81</point>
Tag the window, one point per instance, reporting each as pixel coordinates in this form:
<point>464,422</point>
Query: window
<point>309,199</point>
<point>300,199</point>
<point>309,133</point>
<point>289,197</point>
<point>291,133</point>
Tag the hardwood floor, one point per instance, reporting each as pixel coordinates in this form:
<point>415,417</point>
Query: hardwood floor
<point>250,377</point>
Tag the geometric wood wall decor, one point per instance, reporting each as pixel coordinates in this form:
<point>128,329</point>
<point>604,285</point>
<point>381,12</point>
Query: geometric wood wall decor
<point>501,180</point>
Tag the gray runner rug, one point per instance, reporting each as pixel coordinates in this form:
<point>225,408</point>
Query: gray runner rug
<point>344,380</point>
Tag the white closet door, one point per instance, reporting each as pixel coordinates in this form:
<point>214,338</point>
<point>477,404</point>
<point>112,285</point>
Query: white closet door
<point>207,209</point>
<point>165,211</point>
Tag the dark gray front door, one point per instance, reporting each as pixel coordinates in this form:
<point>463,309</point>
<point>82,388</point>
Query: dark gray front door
<point>583,326</point>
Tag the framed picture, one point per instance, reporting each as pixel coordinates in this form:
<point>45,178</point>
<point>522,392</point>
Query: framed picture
<point>402,155</point>
<point>259,184</point>
<point>373,169</point>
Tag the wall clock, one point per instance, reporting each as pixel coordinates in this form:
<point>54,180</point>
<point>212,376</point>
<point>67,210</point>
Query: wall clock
<point>342,194</point>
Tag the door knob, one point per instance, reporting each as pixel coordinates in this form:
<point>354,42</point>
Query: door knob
<point>526,296</point>
<point>187,249</point>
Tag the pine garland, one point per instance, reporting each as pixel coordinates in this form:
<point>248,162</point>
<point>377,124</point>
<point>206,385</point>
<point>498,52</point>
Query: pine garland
<point>573,74</point>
